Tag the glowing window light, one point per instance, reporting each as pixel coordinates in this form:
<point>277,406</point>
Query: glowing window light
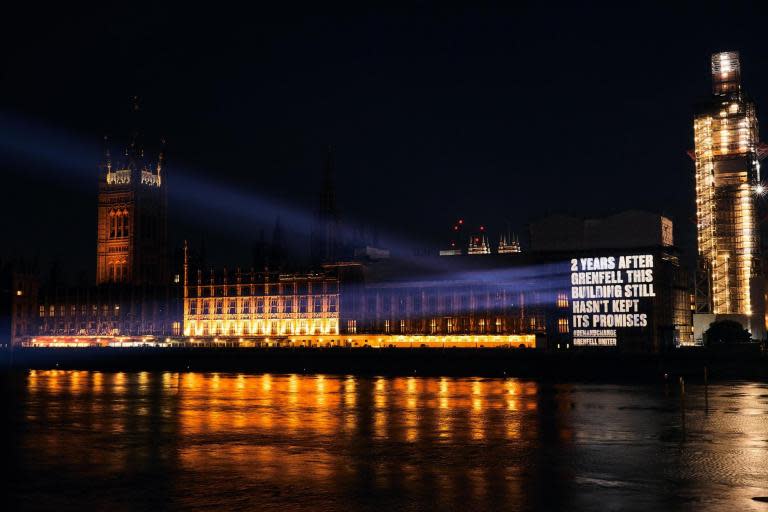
<point>725,63</point>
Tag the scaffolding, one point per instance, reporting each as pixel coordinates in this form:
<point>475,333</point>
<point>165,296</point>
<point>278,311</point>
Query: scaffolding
<point>726,73</point>
<point>727,172</point>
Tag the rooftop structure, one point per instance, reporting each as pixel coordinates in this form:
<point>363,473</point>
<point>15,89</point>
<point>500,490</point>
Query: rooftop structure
<point>629,229</point>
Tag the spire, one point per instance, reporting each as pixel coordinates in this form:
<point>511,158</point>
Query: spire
<point>324,242</point>
<point>186,267</point>
<point>135,150</point>
<point>107,154</point>
<point>161,157</point>
<point>135,110</point>
<point>508,243</point>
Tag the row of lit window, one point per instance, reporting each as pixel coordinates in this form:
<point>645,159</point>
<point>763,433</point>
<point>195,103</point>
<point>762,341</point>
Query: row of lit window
<point>453,325</point>
<point>273,306</point>
<point>444,303</point>
<point>272,327</point>
<point>246,290</point>
<point>84,309</point>
<point>451,301</point>
<point>108,327</point>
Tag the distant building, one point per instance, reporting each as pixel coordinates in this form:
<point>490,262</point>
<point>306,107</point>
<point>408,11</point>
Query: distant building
<point>506,298</point>
<point>132,233</point>
<point>629,229</point>
<point>479,245</point>
<point>380,303</point>
<point>727,152</point>
<point>133,295</point>
<point>105,311</point>
<point>508,244</point>
<point>633,297</point>
<point>325,245</point>
<point>260,305</point>
<point>18,301</point>
<point>600,291</point>
<point>613,283</point>
<point>463,241</point>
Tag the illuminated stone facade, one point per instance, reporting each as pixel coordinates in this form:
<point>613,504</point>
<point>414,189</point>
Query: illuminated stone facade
<point>246,304</point>
<point>133,295</point>
<point>504,298</point>
<point>339,307</point>
<point>131,231</point>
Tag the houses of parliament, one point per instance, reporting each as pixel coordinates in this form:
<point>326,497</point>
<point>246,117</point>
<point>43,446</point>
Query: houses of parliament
<point>474,296</point>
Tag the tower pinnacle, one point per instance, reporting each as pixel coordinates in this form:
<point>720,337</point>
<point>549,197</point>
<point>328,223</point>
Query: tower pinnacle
<point>324,233</point>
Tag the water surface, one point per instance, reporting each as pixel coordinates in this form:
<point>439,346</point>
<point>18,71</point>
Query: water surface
<point>80,440</point>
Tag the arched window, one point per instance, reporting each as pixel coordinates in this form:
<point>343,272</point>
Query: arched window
<point>118,223</point>
<point>124,224</point>
<point>112,224</point>
<point>118,271</point>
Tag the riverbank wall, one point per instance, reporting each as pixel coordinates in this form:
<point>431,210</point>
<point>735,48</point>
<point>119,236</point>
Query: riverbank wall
<point>575,365</point>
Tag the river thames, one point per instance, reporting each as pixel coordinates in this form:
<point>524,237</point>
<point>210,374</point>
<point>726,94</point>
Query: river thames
<point>155,441</point>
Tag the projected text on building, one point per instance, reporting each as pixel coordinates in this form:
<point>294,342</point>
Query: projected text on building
<point>609,293</point>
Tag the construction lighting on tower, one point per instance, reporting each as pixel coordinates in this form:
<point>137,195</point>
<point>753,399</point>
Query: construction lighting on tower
<point>727,155</point>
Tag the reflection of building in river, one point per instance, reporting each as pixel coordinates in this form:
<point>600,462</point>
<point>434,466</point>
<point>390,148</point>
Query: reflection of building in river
<point>230,431</point>
<point>425,443</point>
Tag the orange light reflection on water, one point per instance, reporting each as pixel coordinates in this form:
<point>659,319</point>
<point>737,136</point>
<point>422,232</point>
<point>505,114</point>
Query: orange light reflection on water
<point>448,442</point>
<point>260,412</point>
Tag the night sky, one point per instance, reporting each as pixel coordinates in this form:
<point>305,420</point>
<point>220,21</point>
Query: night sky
<point>499,116</point>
